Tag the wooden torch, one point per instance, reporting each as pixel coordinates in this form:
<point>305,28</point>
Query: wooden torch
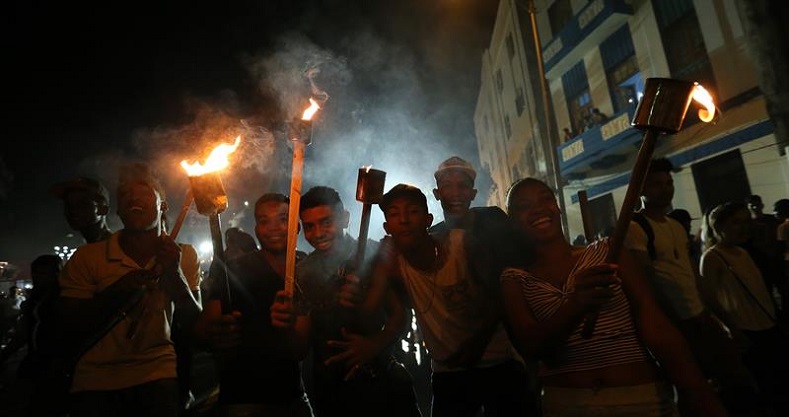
<point>662,110</point>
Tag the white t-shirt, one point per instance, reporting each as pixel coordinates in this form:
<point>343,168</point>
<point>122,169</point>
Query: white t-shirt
<point>448,305</point>
<point>674,276</point>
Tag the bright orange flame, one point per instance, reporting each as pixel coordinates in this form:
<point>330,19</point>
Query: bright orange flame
<point>314,107</point>
<point>703,97</point>
<point>216,160</point>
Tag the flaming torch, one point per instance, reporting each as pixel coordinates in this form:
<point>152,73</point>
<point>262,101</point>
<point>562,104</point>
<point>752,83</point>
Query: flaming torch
<point>369,191</point>
<point>210,199</point>
<point>661,110</point>
<point>300,133</point>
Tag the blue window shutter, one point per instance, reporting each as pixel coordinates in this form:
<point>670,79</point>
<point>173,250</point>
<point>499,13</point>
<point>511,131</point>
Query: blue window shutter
<point>617,48</point>
<point>574,81</point>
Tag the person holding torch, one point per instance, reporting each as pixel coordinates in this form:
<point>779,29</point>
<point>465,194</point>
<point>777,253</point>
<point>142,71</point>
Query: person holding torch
<point>126,371</point>
<point>622,370</point>
<point>353,374</point>
<point>258,347</point>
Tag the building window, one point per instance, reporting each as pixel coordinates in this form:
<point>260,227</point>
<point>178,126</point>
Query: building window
<point>510,47</point>
<point>576,91</point>
<point>507,126</point>
<point>520,101</point>
<point>682,40</point>
<point>560,12</point>
<point>580,108</point>
<point>621,67</point>
<point>499,81</point>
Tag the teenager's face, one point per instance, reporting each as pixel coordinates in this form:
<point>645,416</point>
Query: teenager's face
<point>323,226</point>
<point>81,210</point>
<point>534,211</point>
<point>407,221</point>
<point>735,229</point>
<point>658,189</point>
<point>140,207</point>
<point>271,226</point>
<point>455,190</point>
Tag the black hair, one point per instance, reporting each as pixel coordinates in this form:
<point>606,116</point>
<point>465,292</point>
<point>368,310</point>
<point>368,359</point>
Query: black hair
<point>403,191</point>
<point>660,165</point>
<point>781,207</point>
<point>717,216</point>
<point>521,183</point>
<point>754,199</point>
<point>271,198</point>
<point>321,196</point>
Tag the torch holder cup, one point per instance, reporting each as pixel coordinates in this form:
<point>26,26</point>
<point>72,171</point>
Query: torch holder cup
<point>663,105</point>
<point>370,185</point>
<point>300,131</point>
<point>209,194</point>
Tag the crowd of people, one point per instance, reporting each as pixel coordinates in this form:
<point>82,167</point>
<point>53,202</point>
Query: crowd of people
<point>501,301</point>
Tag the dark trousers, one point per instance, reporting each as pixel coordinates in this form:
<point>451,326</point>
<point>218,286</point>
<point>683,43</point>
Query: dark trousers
<point>768,358</point>
<point>387,393</point>
<point>153,399</point>
<point>498,391</point>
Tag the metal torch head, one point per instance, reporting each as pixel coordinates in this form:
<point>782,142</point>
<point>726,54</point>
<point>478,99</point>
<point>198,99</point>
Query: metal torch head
<point>300,131</point>
<point>664,105</point>
<point>209,193</point>
<point>370,185</point>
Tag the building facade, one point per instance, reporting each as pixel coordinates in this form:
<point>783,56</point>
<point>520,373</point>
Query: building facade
<point>597,56</point>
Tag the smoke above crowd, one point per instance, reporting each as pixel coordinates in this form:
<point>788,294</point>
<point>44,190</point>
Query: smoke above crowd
<point>397,91</point>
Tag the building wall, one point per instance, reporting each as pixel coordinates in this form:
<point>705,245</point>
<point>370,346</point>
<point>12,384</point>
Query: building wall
<point>721,28</point>
<point>519,154</point>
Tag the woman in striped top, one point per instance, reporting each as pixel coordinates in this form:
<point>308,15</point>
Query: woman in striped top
<point>616,371</point>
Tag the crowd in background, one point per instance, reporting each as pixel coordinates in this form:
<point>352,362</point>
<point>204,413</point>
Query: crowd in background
<point>507,316</point>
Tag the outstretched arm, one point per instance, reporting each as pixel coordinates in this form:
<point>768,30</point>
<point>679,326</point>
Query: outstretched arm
<point>666,342</point>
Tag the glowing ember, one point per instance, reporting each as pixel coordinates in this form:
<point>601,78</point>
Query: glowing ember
<point>314,107</point>
<point>216,160</point>
<point>703,97</point>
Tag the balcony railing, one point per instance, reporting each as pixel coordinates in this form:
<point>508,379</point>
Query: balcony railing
<point>587,29</point>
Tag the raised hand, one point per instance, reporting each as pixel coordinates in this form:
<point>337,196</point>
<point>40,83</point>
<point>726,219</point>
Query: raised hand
<point>224,333</point>
<point>594,286</point>
<point>350,294</point>
<point>283,314</point>
<point>354,351</point>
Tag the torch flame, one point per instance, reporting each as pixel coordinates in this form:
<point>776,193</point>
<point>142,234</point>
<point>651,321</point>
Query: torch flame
<point>367,168</point>
<point>314,107</point>
<point>216,160</point>
<point>703,97</point>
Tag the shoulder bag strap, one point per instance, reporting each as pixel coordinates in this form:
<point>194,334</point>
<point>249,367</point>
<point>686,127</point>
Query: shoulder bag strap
<point>745,287</point>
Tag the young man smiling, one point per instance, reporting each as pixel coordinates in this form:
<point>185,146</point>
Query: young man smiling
<point>131,370</point>
<point>259,352</point>
<point>352,375</point>
<point>475,367</point>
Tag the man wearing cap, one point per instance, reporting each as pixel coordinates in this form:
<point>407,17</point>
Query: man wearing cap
<point>85,206</point>
<point>128,366</point>
<point>455,190</point>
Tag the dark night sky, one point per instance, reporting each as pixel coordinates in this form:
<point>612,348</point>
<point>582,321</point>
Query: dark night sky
<point>93,86</point>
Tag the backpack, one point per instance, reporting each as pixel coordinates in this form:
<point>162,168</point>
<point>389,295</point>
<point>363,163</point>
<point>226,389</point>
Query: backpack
<point>642,221</point>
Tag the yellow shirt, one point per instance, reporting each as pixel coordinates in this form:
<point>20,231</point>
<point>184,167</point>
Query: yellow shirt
<point>117,361</point>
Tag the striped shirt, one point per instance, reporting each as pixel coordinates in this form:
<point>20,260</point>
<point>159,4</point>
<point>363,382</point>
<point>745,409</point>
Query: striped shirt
<point>615,340</point>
